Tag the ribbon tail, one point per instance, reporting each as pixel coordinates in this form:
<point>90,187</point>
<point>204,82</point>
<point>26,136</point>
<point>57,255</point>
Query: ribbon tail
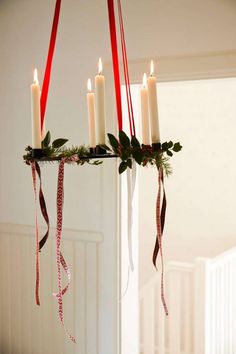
<point>162,218</point>
<point>43,207</point>
<point>60,259</point>
<point>37,282</point>
<point>164,204</point>
<point>68,273</point>
<point>160,213</point>
<point>131,181</point>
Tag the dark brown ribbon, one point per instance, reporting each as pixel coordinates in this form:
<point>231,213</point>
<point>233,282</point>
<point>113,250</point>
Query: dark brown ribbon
<point>39,244</point>
<point>42,207</point>
<point>163,216</point>
<point>160,221</point>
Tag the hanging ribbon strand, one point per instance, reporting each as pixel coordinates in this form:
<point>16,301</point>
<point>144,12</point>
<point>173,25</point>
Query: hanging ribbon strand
<point>37,281</point>
<point>60,259</point>
<point>160,220</point>
<point>47,74</point>
<point>115,60</point>
<point>163,215</point>
<point>126,72</point>
<point>43,207</point>
<point>131,181</point>
<point>39,244</point>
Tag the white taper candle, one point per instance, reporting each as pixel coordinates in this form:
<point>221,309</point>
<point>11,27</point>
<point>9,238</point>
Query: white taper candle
<point>145,112</point>
<point>152,99</point>
<point>100,104</point>
<point>91,115</point>
<point>35,112</point>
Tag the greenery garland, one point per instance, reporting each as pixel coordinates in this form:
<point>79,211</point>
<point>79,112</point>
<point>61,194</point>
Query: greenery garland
<point>128,150</point>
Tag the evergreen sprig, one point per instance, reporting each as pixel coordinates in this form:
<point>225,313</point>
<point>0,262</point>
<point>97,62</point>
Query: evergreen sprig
<point>57,150</point>
<point>128,150</point>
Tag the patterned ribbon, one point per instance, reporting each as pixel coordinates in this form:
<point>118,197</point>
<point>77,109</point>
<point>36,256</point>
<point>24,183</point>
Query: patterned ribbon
<point>160,221</point>
<point>60,258</point>
<point>39,244</point>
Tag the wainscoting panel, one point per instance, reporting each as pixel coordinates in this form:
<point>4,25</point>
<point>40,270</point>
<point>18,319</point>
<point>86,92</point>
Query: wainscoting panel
<point>26,328</point>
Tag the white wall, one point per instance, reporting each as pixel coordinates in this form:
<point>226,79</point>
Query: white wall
<point>27,328</point>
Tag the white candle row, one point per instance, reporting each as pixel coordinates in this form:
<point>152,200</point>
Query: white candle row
<point>97,100</point>
<point>96,110</point>
<point>149,109</point>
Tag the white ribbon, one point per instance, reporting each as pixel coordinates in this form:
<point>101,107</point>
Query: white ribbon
<point>131,181</point>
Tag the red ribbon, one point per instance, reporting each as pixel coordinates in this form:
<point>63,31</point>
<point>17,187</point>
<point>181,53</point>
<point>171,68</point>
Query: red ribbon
<point>116,72</point>
<point>126,72</point>
<point>47,74</point>
<point>160,221</point>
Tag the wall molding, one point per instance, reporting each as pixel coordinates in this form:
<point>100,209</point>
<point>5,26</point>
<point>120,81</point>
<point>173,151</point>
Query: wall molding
<point>68,234</point>
<point>198,66</point>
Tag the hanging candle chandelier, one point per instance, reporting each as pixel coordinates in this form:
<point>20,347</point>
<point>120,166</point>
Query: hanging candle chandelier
<point>125,147</point>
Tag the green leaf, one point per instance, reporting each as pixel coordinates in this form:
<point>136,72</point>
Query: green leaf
<point>129,163</point>
<point>169,153</point>
<point>138,156</point>
<point>125,154</point>
<point>164,146</point>
<point>124,139</point>
<point>170,144</point>
<point>177,147</point>
<point>59,143</point>
<point>46,140</point>
<point>135,143</point>
<point>113,141</point>
<point>122,167</point>
<point>96,163</point>
<point>105,147</point>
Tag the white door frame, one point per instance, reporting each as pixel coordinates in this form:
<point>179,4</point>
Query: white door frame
<point>177,68</point>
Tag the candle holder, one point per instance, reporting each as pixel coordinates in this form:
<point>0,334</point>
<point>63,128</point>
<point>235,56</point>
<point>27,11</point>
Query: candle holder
<point>100,150</point>
<point>129,151</point>
<point>146,147</point>
<point>156,146</point>
<point>92,150</point>
<point>37,153</point>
